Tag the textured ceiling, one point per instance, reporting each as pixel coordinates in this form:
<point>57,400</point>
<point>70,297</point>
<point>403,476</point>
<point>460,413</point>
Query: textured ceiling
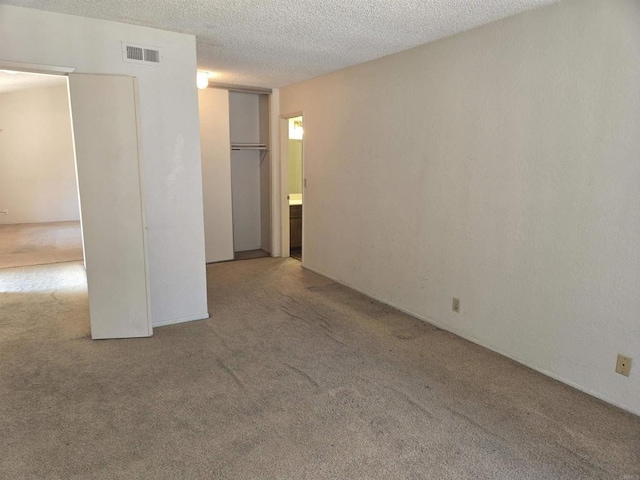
<point>23,81</point>
<point>272,43</point>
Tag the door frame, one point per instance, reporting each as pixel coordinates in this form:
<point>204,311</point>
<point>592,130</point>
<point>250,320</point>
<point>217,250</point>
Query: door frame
<point>36,68</point>
<point>65,71</point>
<point>285,248</point>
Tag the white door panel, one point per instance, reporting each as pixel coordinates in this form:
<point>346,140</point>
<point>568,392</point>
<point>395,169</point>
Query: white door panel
<point>105,125</point>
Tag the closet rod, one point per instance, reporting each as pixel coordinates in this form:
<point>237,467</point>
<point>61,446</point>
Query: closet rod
<point>248,146</point>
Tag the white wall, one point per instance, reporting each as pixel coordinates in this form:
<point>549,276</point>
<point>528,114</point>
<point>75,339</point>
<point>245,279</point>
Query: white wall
<point>265,173</point>
<point>245,171</point>
<point>245,187</point>
<point>277,201</point>
<point>216,173</point>
<point>499,166</point>
<point>170,136</point>
<point>38,179</point>
<point>295,166</point>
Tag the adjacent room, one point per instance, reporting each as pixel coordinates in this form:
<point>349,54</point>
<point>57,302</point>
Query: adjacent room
<point>39,211</point>
<point>41,250</point>
<point>435,208</point>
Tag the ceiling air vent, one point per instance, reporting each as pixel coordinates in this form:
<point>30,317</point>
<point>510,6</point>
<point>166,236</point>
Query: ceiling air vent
<point>132,53</point>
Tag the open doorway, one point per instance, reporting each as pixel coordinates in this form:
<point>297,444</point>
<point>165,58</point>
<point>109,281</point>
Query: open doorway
<point>293,184</point>
<point>39,203</point>
<point>250,174</point>
<point>103,128</point>
<point>294,191</point>
<point>41,247</point>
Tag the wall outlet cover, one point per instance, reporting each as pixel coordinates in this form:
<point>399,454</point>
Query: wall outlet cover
<point>623,365</point>
<point>455,305</point>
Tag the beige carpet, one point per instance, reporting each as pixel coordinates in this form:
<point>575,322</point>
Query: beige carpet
<point>39,243</point>
<point>293,377</point>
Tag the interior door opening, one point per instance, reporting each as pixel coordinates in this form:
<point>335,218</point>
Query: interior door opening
<point>103,166</point>
<point>295,185</point>
<point>41,244</point>
<point>39,204</point>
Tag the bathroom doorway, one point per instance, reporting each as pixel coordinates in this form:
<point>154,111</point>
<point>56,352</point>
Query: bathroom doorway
<point>295,184</point>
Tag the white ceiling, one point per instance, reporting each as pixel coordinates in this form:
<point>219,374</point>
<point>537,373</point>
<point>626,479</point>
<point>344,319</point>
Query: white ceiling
<point>272,43</point>
<point>24,81</point>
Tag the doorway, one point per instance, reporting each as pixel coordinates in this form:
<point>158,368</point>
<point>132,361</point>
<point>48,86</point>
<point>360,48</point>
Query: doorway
<point>295,181</point>
<point>43,284</point>
<point>250,174</point>
<point>39,206</point>
<point>104,131</point>
<point>41,247</point>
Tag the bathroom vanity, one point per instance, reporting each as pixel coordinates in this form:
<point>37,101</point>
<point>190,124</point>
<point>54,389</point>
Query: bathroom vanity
<point>295,221</point>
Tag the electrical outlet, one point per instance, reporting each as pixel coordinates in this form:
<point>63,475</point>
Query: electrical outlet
<point>4,212</point>
<point>455,305</point>
<point>623,365</point>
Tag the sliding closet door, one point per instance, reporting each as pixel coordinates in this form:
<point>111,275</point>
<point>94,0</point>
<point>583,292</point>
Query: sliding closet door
<point>105,125</point>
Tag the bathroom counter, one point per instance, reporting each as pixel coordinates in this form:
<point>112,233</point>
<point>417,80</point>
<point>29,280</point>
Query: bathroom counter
<point>295,199</point>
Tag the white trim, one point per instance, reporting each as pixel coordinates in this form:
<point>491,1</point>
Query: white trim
<point>283,138</point>
<point>174,321</point>
<point>36,68</point>
<point>471,339</point>
<point>283,204</point>
<point>241,88</point>
<point>274,144</point>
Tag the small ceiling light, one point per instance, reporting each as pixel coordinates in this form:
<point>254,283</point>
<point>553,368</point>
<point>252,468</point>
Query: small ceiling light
<point>202,79</point>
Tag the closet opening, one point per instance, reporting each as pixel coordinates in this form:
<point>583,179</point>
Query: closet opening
<point>250,174</point>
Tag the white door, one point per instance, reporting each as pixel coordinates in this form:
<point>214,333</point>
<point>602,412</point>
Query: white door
<point>105,126</point>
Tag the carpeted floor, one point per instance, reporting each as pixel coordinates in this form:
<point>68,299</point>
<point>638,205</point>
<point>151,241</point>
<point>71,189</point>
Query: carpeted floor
<point>293,377</point>
<point>39,243</point>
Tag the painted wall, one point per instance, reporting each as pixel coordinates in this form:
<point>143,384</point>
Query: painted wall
<point>295,166</point>
<point>277,201</point>
<point>264,121</point>
<point>244,115</point>
<point>499,166</point>
<point>38,179</point>
<point>216,173</point>
<point>295,155</point>
<point>170,136</point>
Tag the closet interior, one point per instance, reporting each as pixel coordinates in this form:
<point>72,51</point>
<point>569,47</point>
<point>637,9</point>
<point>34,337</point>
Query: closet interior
<point>250,174</point>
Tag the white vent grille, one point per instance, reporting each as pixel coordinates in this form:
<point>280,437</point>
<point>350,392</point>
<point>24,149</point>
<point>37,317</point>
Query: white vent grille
<point>132,53</point>
<point>135,53</point>
<point>151,55</point>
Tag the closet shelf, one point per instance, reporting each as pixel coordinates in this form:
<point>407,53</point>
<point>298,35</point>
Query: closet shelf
<point>248,146</point>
